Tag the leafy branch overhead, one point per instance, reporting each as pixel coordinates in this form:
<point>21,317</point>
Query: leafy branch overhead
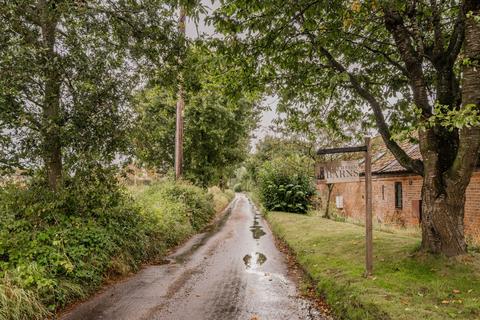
<point>375,63</point>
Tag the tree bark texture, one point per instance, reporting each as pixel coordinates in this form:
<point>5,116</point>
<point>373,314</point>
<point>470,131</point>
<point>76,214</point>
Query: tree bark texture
<point>444,188</point>
<point>51,106</point>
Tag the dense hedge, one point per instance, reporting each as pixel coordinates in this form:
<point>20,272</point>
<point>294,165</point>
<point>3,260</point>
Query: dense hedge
<point>284,187</point>
<point>56,248</point>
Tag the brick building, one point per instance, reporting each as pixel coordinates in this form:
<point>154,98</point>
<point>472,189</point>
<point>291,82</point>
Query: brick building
<point>396,193</point>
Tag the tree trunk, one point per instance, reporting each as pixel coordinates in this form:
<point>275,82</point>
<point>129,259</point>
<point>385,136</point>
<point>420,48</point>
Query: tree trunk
<point>51,105</point>
<point>329,195</point>
<point>442,221</point>
<point>443,191</point>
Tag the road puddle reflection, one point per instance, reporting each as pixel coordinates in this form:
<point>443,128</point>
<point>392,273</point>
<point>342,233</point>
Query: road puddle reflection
<point>257,229</point>
<point>254,260</point>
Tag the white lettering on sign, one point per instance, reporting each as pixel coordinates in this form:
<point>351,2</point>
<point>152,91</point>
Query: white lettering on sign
<point>339,171</point>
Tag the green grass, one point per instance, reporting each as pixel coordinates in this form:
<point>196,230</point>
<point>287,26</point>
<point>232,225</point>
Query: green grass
<point>405,285</point>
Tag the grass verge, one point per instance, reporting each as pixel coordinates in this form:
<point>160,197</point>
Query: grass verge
<point>405,285</point>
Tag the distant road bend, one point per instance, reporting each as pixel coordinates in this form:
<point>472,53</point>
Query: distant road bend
<point>234,271</point>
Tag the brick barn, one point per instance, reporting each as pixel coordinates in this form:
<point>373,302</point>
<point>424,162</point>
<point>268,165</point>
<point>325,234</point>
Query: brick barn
<point>396,193</point>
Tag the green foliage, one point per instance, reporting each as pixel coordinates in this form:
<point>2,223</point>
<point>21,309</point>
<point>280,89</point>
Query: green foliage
<point>221,198</point>
<point>283,187</point>
<point>238,187</point>
<point>219,115</point>
<point>68,71</point>
<point>270,148</point>
<point>58,247</point>
<point>17,303</point>
<point>184,202</point>
<point>291,48</point>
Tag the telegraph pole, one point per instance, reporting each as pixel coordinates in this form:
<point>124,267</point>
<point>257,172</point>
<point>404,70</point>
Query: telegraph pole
<point>180,107</point>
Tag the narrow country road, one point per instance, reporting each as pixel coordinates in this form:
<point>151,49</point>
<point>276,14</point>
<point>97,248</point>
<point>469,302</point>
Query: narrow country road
<point>234,271</point>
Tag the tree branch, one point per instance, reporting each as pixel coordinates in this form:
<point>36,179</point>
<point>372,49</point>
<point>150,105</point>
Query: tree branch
<point>412,60</point>
<point>457,37</point>
<point>468,150</point>
<point>402,157</point>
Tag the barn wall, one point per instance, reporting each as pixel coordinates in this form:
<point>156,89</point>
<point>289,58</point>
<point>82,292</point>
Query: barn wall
<point>384,210</point>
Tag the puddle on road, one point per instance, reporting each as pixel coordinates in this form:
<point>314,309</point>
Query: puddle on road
<point>257,229</point>
<point>254,260</point>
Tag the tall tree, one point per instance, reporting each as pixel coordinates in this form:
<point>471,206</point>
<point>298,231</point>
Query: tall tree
<point>221,111</point>
<point>68,69</point>
<point>402,60</point>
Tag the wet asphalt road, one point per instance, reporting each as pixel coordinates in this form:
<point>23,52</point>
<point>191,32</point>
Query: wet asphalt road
<point>234,271</point>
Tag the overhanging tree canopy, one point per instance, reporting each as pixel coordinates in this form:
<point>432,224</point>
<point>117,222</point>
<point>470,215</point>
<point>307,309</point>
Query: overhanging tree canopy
<point>398,63</point>
<point>220,113</point>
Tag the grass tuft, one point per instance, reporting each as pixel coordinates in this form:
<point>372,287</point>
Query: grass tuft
<point>18,304</point>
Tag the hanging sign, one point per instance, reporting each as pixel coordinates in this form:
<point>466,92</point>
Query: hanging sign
<point>338,171</point>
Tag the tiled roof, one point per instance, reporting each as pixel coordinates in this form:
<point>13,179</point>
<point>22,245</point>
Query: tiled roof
<point>383,160</point>
<point>386,162</point>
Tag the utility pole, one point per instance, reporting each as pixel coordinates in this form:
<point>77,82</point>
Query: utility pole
<point>180,107</point>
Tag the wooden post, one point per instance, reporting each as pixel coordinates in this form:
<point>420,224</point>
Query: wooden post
<point>368,210</point>
<point>180,108</point>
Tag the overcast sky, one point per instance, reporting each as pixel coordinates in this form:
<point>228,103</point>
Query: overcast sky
<point>195,30</point>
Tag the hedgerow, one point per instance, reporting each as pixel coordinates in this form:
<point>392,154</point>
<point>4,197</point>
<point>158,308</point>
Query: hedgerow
<point>57,247</point>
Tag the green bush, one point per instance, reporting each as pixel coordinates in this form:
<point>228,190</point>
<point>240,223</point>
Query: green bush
<point>221,198</point>
<point>181,204</point>
<point>283,187</point>
<point>238,187</point>
<point>58,247</point>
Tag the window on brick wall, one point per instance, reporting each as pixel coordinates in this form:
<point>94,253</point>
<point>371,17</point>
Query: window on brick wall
<point>398,195</point>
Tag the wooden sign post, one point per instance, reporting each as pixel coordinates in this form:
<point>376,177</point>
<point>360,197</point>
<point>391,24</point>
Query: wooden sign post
<point>368,210</point>
<point>345,176</point>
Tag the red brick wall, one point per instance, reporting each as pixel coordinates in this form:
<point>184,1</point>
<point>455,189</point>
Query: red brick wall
<point>384,210</point>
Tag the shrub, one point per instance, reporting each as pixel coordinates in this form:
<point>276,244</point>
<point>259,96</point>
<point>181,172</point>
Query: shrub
<point>58,247</point>
<point>221,198</point>
<point>283,187</point>
<point>179,208</point>
<point>199,207</point>
<point>238,187</point>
